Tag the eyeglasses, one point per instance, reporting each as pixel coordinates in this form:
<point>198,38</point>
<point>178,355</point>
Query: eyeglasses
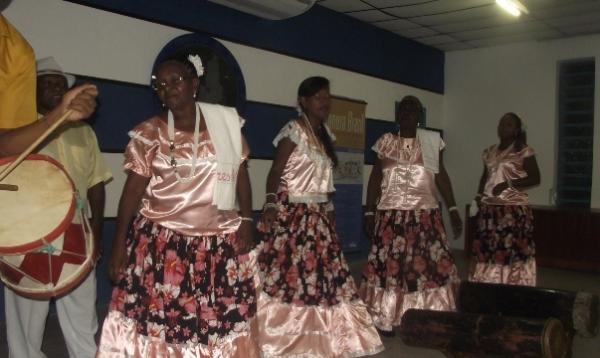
<point>162,85</point>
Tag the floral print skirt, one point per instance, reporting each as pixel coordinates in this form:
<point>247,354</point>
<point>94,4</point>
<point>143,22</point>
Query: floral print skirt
<point>181,296</point>
<point>503,249</point>
<point>308,305</point>
<point>409,266</point>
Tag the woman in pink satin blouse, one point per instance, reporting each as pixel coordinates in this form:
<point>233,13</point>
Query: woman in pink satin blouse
<point>184,282</point>
<point>308,306</point>
<point>410,264</point>
<point>503,248</point>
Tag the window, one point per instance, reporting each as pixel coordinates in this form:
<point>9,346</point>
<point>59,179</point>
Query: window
<point>575,132</point>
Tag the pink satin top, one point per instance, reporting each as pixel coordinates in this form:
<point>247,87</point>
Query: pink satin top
<point>502,165</point>
<point>185,207</point>
<point>308,174</point>
<point>406,183</point>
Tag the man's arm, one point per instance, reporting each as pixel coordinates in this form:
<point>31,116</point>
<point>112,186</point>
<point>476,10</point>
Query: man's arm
<point>80,100</point>
<point>96,196</point>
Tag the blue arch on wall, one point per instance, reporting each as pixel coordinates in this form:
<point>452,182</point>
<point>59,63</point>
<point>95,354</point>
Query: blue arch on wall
<point>197,39</point>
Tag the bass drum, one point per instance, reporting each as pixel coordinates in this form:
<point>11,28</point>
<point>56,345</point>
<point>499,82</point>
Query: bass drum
<point>46,243</point>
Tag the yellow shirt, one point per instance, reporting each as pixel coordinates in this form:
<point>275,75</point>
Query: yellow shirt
<point>75,146</point>
<point>17,78</point>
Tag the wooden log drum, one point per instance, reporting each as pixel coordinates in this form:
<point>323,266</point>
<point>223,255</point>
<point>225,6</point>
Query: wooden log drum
<point>461,334</point>
<point>577,311</point>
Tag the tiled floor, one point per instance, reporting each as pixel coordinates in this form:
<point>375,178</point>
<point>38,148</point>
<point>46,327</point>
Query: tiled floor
<point>559,279</point>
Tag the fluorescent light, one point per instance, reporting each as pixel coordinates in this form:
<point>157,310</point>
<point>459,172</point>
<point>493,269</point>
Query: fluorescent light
<point>513,7</point>
<point>509,7</point>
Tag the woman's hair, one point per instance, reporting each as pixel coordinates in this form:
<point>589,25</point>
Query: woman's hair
<point>521,138</point>
<point>181,58</point>
<point>312,85</point>
<point>308,88</point>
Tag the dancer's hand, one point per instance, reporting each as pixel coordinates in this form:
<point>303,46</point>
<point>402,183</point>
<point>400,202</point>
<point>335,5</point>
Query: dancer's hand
<point>245,238</point>
<point>117,260</point>
<point>331,217</point>
<point>268,218</point>
<point>369,222</point>
<point>456,222</point>
<point>499,188</point>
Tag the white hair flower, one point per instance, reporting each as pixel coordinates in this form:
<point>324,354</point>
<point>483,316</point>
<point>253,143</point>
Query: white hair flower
<point>197,62</point>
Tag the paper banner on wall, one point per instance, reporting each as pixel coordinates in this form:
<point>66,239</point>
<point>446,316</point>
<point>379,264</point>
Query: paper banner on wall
<point>347,122</point>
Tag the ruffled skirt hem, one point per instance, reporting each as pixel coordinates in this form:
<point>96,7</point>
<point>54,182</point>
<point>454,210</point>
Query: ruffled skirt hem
<point>120,339</point>
<point>345,330</point>
<point>387,306</point>
<point>518,273</point>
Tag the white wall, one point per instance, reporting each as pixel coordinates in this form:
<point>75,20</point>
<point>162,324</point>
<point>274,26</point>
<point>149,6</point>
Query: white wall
<point>97,43</point>
<point>483,84</point>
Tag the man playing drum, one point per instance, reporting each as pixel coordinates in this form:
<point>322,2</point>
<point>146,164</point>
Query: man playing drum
<point>74,145</point>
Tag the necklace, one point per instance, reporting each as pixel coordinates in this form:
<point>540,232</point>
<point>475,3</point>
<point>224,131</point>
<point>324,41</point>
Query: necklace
<point>171,131</point>
<point>312,135</point>
<point>408,149</point>
<point>405,150</point>
<point>499,155</point>
<point>409,155</point>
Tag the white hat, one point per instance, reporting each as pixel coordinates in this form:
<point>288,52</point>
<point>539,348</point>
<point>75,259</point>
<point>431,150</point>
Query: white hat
<point>49,66</point>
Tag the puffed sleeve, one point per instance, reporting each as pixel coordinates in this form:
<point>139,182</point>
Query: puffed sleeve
<point>527,152</point>
<point>486,153</point>
<point>291,130</point>
<point>141,149</point>
<point>382,146</point>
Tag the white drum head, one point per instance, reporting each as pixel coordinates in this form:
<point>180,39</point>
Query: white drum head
<point>40,210</point>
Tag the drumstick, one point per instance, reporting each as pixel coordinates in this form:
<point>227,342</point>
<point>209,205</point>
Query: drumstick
<point>30,149</point>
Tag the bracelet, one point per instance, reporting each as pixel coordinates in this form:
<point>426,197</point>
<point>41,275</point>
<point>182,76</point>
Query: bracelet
<point>453,208</point>
<point>270,206</point>
<point>246,218</point>
<point>271,194</point>
<point>369,213</point>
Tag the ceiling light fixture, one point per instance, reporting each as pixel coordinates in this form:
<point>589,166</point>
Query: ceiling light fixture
<point>513,7</point>
<point>269,9</point>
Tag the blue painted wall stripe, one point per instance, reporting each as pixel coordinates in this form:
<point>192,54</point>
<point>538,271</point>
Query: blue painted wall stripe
<point>122,105</point>
<point>319,35</point>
